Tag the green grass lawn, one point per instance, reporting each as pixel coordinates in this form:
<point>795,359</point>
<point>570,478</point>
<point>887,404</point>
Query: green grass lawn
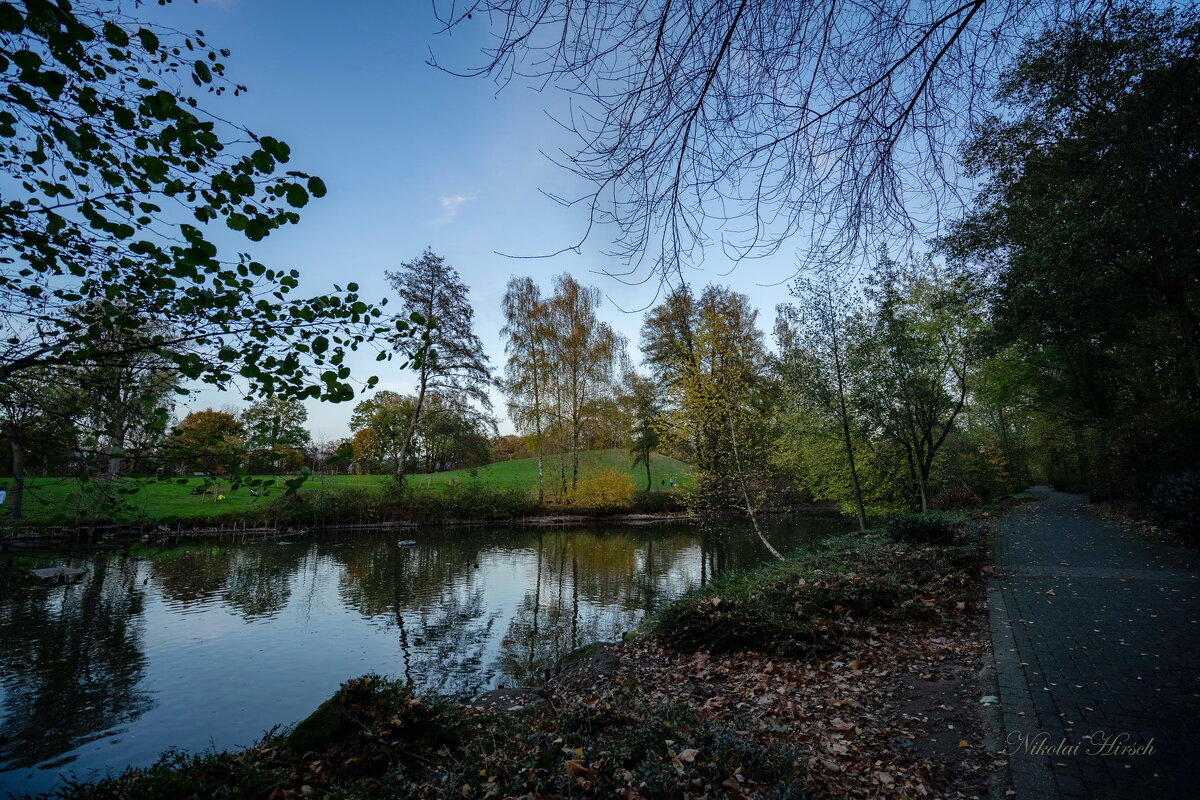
<point>68,499</point>
<point>522,473</point>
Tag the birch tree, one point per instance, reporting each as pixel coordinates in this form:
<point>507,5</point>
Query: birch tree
<point>526,381</point>
<point>583,353</point>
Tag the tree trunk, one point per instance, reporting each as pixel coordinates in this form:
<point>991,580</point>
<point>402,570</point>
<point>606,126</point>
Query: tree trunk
<point>915,474</point>
<point>16,493</point>
<point>412,427</point>
<point>924,469</point>
<point>116,443</point>
<point>575,459</point>
<point>541,450</point>
<point>541,474</point>
<point>854,485</point>
<point>649,481</point>
<point>737,462</point>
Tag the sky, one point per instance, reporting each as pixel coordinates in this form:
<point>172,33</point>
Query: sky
<point>414,158</point>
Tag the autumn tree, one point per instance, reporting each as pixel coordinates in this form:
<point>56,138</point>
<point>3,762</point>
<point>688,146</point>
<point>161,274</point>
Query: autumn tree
<point>582,353</point>
<point>339,453</point>
<point>275,433</point>
<point>709,356</point>
<point>365,450</point>
<point>694,374</point>
<point>607,425</point>
<point>668,347</point>
<point>510,447</point>
<point>817,350</point>
<point>212,440</point>
<point>724,391</point>
<point>451,361</point>
<point>388,416</point>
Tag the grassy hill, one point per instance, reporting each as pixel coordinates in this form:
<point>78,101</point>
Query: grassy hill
<point>521,473</point>
<point>66,499</point>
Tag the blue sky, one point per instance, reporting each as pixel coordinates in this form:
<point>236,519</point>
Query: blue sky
<point>412,157</point>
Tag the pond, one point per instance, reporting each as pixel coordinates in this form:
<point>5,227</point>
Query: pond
<point>207,644</point>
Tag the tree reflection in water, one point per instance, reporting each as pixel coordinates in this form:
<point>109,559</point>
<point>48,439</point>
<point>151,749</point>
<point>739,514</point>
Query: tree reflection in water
<point>269,628</point>
<point>72,658</point>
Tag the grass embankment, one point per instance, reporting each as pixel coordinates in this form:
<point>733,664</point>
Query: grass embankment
<point>495,490</point>
<point>689,711</point>
<point>914,570</point>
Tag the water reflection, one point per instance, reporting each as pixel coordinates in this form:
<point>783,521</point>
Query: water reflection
<point>201,644</point>
<point>72,657</point>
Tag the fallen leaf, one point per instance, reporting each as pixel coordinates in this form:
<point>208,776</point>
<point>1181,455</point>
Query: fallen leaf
<point>733,790</point>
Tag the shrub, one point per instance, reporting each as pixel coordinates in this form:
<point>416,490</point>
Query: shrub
<point>1175,504</point>
<point>655,502</point>
<point>322,506</point>
<point>469,503</point>
<point>936,528</point>
<point>955,497</point>
<point>605,489</point>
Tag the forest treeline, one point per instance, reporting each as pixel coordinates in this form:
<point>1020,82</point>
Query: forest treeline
<point>1052,335</point>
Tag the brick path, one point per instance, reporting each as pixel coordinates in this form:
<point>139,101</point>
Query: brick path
<point>1115,648</point>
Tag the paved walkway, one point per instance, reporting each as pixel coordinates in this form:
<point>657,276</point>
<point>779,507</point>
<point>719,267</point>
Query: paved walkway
<point>1096,633</point>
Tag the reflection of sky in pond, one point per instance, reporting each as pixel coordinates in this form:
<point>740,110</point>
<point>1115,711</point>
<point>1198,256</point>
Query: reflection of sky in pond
<point>201,645</point>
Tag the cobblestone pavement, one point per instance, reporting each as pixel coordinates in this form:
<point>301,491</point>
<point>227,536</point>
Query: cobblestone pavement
<point>1096,633</point>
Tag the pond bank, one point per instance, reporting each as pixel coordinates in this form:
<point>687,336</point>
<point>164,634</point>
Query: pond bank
<point>235,530</point>
<point>867,689</point>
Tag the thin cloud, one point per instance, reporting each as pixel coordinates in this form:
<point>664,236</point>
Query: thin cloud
<point>450,207</point>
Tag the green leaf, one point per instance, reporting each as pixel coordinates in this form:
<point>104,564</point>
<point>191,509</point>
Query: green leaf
<point>296,196</point>
<point>11,20</point>
<point>276,148</point>
<point>148,39</point>
<point>114,34</point>
<point>316,186</point>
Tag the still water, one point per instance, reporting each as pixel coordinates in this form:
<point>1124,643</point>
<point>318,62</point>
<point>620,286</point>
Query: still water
<point>208,645</point>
